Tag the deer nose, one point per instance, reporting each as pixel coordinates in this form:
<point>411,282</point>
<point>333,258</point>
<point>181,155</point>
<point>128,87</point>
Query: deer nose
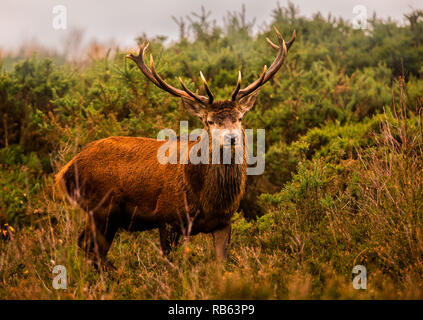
<point>231,138</point>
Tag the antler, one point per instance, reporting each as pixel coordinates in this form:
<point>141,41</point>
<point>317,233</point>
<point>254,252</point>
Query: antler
<point>267,74</point>
<point>154,77</point>
<point>238,93</point>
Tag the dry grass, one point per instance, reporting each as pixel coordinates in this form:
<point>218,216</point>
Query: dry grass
<point>323,223</point>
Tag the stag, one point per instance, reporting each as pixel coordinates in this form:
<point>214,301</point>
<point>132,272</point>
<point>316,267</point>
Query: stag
<point>120,183</point>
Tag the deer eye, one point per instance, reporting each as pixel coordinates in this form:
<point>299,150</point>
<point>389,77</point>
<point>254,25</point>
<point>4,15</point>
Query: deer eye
<point>240,119</point>
<point>210,122</point>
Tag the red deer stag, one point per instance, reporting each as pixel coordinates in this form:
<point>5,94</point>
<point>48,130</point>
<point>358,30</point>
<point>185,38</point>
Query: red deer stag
<point>120,183</point>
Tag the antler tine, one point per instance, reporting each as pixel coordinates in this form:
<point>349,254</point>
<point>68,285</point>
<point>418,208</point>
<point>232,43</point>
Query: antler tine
<point>277,64</point>
<point>139,60</point>
<point>288,44</point>
<point>238,86</point>
<point>254,86</point>
<point>164,85</point>
<point>274,46</point>
<point>197,97</point>
<point>206,86</point>
<point>154,77</point>
<point>282,50</point>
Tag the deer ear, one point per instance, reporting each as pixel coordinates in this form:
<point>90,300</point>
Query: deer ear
<point>194,107</point>
<point>247,102</point>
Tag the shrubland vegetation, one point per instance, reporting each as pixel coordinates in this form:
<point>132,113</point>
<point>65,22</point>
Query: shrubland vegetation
<point>343,183</point>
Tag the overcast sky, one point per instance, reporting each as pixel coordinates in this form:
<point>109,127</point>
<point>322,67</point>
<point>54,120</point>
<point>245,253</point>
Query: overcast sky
<point>122,20</point>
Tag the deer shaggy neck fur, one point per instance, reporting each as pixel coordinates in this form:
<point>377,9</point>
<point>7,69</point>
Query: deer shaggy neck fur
<point>122,177</point>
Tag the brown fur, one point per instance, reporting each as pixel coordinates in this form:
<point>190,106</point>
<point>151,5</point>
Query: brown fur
<point>121,184</point>
<point>120,181</point>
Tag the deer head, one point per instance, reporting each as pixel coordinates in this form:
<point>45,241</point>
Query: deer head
<point>222,118</point>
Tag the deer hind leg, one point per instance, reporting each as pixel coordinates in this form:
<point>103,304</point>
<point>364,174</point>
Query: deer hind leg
<point>169,238</point>
<point>97,236</point>
<point>221,238</point>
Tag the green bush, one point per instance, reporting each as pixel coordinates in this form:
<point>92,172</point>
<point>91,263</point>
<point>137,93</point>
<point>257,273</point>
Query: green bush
<point>343,179</point>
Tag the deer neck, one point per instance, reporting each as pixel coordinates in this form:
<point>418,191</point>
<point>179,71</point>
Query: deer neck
<point>224,184</point>
<point>219,187</point>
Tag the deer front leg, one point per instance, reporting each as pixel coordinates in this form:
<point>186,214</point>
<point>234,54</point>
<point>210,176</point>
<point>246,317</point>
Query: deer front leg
<point>97,237</point>
<point>169,238</point>
<point>221,238</point>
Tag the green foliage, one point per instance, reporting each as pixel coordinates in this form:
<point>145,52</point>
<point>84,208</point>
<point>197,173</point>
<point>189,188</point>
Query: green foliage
<point>356,198</point>
<point>343,178</point>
